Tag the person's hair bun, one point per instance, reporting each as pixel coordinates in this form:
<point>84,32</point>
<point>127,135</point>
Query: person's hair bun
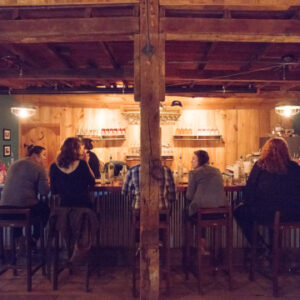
<point>31,149</point>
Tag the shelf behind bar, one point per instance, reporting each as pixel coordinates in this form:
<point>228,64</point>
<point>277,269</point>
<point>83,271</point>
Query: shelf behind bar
<point>104,137</point>
<point>197,137</point>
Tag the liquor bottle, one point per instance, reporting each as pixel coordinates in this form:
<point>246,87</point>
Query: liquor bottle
<point>110,170</point>
<point>180,169</point>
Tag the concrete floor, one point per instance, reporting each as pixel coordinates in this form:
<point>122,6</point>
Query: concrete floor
<point>115,284</point>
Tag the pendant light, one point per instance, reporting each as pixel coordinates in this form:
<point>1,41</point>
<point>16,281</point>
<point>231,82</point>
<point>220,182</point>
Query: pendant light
<point>287,109</point>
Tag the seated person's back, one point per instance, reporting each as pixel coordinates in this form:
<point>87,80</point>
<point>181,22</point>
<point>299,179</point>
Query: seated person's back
<point>70,177</point>
<point>205,186</point>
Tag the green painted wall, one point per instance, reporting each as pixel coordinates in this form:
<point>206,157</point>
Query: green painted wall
<point>9,121</point>
<point>296,123</point>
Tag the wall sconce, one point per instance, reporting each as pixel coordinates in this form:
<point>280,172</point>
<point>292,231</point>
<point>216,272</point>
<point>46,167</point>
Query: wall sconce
<point>287,110</point>
<point>23,112</point>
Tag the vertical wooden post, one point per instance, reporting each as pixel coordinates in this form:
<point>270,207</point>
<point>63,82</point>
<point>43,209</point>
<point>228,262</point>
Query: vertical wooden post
<point>149,89</point>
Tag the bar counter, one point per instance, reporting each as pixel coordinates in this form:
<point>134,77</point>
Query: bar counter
<point>115,214</point>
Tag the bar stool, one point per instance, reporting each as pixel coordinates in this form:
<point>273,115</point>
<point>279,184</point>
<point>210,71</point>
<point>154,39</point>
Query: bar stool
<point>164,232</point>
<point>90,263</point>
<point>213,218</point>
<point>278,228</point>
<point>15,217</point>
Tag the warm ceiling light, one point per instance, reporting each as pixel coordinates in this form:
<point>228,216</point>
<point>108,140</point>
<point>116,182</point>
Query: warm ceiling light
<point>23,112</point>
<point>287,110</point>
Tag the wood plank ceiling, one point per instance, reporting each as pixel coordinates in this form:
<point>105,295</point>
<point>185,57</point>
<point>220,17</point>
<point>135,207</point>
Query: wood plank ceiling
<point>210,50</point>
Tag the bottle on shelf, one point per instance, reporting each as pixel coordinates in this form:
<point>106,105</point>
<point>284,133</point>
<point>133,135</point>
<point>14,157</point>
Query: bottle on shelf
<point>241,169</point>
<point>110,169</point>
<point>180,169</point>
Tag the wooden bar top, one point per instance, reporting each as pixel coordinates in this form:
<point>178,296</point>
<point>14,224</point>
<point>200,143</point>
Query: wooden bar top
<point>111,188</point>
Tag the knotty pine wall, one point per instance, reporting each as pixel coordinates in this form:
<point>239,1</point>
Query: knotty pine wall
<point>240,130</point>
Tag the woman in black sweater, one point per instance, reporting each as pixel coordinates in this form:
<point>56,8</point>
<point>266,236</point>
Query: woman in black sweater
<point>273,184</point>
<point>70,175</point>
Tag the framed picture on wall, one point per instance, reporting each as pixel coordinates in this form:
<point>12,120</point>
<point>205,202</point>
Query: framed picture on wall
<point>6,150</point>
<point>6,134</point>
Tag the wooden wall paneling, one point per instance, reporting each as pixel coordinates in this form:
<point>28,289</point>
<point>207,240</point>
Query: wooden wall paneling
<point>264,121</point>
<point>240,130</point>
<point>220,160</point>
<point>230,136</point>
<point>248,132</point>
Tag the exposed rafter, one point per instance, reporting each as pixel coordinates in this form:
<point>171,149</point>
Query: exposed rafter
<point>62,2</point>
<point>231,30</point>
<point>249,4</point>
<point>68,30</point>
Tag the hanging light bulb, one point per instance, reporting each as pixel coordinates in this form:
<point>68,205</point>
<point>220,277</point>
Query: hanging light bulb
<point>23,112</point>
<point>287,110</point>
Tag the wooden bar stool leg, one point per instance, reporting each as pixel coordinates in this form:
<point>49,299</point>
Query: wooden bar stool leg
<point>13,252</point>
<point>199,257</point>
<point>56,259</point>
<point>168,259</point>
<point>2,246</point>
<point>253,252</point>
<point>43,250</point>
<point>87,277</point>
<point>187,247</point>
<point>134,264</point>
<point>276,255</point>
<point>215,249</point>
<point>229,246</point>
<point>28,257</point>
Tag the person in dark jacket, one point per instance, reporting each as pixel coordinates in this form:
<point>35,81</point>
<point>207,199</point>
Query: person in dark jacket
<point>273,185</point>
<point>71,176</point>
<point>93,159</point>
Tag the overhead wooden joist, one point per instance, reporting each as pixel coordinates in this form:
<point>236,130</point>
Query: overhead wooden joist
<point>238,4</point>
<point>68,30</point>
<point>123,28</point>
<point>67,74</point>
<point>127,74</point>
<point>62,2</point>
<point>231,30</point>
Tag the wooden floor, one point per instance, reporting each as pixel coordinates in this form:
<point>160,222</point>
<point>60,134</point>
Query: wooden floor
<point>115,284</point>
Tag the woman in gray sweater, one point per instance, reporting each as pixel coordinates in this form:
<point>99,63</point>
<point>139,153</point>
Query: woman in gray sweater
<point>26,178</point>
<point>205,189</point>
<point>205,186</point>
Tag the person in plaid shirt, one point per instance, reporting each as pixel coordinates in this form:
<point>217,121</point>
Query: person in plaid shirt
<point>167,187</point>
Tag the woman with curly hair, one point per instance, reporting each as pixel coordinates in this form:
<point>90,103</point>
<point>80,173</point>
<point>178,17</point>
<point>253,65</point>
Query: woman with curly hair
<point>273,184</point>
<point>70,175</point>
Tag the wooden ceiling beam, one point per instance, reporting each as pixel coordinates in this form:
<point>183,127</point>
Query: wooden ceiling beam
<point>68,30</point>
<point>127,74</point>
<point>254,4</point>
<point>62,2</point>
<point>68,74</point>
<point>107,50</point>
<point>208,49</point>
<point>231,30</point>
<point>227,76</point>
<point>259,51</point>
<point>57,54</point>
<point>25,57</point>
